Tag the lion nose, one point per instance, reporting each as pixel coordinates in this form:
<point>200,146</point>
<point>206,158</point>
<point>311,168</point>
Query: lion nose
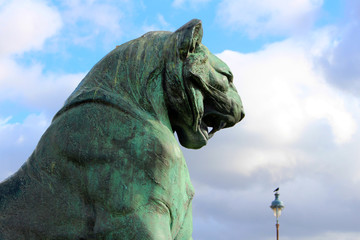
<point>237,113</point>
<point>240,114</point>
<point>237,108</point>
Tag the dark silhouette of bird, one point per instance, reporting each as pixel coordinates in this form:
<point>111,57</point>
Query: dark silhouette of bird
<point>276,190</point>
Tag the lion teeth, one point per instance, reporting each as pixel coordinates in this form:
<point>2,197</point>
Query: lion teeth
<point>212,132</point>
<point>210,135</point>
<point>222,125</point>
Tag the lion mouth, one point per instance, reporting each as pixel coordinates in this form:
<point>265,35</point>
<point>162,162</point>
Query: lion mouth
<point>211,123</point>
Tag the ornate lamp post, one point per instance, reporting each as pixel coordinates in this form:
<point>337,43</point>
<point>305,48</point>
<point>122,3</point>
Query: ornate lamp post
<point>277,206</point>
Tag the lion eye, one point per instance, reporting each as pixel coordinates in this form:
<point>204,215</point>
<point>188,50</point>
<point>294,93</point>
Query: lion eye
<point>227,76</point>
<point>230,77</point>
<point>220,82</point>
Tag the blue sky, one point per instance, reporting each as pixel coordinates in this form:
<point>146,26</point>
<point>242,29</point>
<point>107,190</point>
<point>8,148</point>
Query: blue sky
<point>296,67</point>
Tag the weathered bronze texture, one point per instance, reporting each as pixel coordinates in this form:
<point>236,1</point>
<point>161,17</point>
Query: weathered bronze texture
<point>109,166</point>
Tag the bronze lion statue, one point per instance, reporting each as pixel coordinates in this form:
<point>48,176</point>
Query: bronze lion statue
<point>109,165</point>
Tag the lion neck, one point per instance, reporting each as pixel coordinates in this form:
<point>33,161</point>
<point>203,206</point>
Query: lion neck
<point>129,78</point>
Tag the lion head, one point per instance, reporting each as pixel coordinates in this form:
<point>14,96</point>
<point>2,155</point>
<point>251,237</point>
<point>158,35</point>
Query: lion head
<point>202,98</point>
<point>198,88</point>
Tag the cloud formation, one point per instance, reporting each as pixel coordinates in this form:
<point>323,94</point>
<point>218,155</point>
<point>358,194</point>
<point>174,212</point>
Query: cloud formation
<point>29,85</point>
<point>287,73</point>
<point>25,25</point>
<point>301,130</point>
<point>191,3</point>
<point>274,17</point>
<point>340,61</point>
<point>284,99</point>
<point>299,133</point>
<point>87,19</point>
<point>18,140</point>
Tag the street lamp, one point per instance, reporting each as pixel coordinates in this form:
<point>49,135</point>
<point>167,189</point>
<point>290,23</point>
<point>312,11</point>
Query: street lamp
<point>277,206</point>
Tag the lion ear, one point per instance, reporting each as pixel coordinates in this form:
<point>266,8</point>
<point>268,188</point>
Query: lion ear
<point>189,37</point>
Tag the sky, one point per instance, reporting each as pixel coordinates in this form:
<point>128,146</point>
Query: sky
<point>296,68</point>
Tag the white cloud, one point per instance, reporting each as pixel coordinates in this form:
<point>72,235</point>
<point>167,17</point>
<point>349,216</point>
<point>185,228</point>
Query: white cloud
<point>88,19</point>
<point>186,3</point>
<point>300,133</point>
<point>331,235</point>
<point>283,94</point>
<point>292,116</point>
<point>162,20</point>
<point>18,140</point>
<point>340,60</point>
<point>178,3</point>
<point>161,25</point>
<point>5,120</point>
<point>310,201</point>
<point>29,85</point>
<point>26,24</point>
<point>268,16</point>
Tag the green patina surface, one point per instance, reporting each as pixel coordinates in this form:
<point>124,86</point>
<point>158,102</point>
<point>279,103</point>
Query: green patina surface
<point>109,166</point>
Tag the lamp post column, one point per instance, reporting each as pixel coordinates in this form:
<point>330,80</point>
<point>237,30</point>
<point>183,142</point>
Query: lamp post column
<point>277,206</point>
